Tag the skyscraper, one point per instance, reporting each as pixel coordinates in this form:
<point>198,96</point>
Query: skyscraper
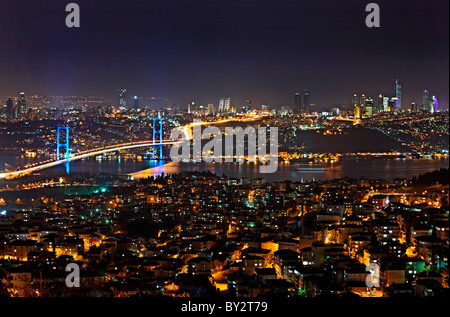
<point>122,98</point>
<point>10,109</point>
<point>385,104</point>
<point>362,103</point>
<point>355,100</point>
<point>135,102</point>
<point>414,107</point>
<point>224,104</point>
<point>227,104</point>
<point>356,106</point>
<point>305,101</point>
<point>22,104</point>
<point>393,104</point>
<point>435,104</point>
<point>297,103</point>
<point>427,102</point>
<point>210,109</point>
<point>368,109</point>
<point>425,97</point>
<point>248,105</point>
<point>380,103</point>
<point>398,94</point>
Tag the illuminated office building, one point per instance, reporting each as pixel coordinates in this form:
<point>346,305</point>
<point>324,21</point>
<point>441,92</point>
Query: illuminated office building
<point>297,102</point>
<point>368,109</point>
<point>22,104</point>
<point>305,107</point>
<point>398,94</point>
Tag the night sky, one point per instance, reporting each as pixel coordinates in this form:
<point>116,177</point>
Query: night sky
<point>201,51</point>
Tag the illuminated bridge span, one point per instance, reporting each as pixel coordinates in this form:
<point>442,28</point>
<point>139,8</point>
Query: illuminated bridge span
<point>85,154</point>
<point>98,151</point>
<point>116,147</point>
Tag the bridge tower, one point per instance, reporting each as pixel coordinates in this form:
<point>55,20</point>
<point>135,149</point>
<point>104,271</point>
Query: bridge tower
<point>65,145</point>
<point>157,137</point>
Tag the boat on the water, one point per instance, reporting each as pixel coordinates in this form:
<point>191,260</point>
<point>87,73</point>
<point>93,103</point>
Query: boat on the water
<point>312,167</point>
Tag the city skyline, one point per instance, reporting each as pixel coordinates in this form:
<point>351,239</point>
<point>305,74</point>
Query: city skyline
<point>195,154</point>
<point>123,99</point>
<point>264,51</point>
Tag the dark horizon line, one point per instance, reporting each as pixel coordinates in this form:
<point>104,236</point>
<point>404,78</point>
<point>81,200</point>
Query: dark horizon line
<point>170,101</point>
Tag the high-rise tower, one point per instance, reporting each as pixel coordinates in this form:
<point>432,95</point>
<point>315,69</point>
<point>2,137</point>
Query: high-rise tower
<point>224,104</point>
<point>122,98</point>
<point>427,102</point>
<point>22,104</point>
<point>398,94</point>
<point>305,108</point>
<point>355,100</point>
<point>136,102</point>
<point>10,109</point>
<point>368,109</point>
<point>297,102</point>
<point>379,106</point>
<point>227,104</point>
<point>435,104</point>
<point>362,103</point>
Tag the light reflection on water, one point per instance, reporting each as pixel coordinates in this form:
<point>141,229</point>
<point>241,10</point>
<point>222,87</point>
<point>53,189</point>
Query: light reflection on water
<point>367,168</point>
<point>346,167</point>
